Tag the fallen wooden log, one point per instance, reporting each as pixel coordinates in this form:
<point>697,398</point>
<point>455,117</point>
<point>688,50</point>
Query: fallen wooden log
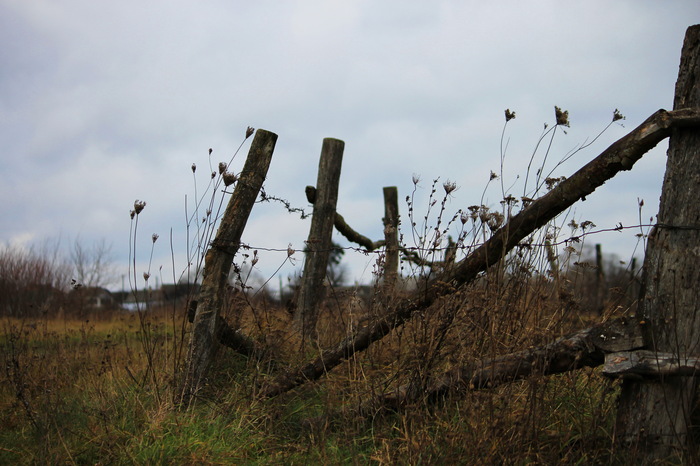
<point>645,363</point>
<point>584,348</point>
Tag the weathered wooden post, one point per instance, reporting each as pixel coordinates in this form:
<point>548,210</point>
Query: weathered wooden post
<point>654,416</point>
<point>318,245</point>
<point>600,286</point>
<point>391,238</point>
<point>219,259</point>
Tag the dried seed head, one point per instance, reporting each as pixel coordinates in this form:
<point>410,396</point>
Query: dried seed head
<point>229,178</point>
<point>509,200</point>
<point>290,251</point>
<point>132,214</point>
<point>222,167</point>
<point>146,276</point>
<point>449,187</point>
<point>154,237</point>
<point>509,115</point>
<point>415,179</point>
<point>495,221</point>
<point>493,176</point>
<point>194,168</point>
<point>75,284</point>
<point>463,217</point>
<point>138,206</point>
<point>249,132</point>
<point>562,116</point>
<point>255,258</point>
<point>210,150</point>
<point>213,175</point>
<point>617,115</point>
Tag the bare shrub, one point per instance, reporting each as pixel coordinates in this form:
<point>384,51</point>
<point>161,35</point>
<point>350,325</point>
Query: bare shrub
<point>33,282</point>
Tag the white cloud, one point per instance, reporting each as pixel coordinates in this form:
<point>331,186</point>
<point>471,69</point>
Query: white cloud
<point>102,103</point>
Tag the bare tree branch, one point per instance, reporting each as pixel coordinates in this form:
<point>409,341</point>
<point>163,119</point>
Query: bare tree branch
<point>344,229</point>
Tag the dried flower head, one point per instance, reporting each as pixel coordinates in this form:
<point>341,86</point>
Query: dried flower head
<point>449,187</point>
<point>509,200</point>
<point>290,251</point>
<point>484,214</point>
<point>617,115</point>
<point>229,178</point>
<point>493,176</point>
<point>154,237</point>
<point>249,132</point>
<point>132,214</point>
<point>509,115</point>
<point>495,221</point>
<point>415,179</point>
<point>463,217</point>
<point>553,182</point>
<point>255,258</point>
<point>210,150</point>
<point>75,284</point>
<point>194,168</point>
<point>213,175</point>
<point>222,167</point>
<point>562,116</point>
<point>146,276</point>
<point>139,206</point>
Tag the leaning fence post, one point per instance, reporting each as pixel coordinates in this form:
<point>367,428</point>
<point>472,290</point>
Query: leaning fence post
<point>319,242</point>
<point>391,238</point>
<point>217,263</point>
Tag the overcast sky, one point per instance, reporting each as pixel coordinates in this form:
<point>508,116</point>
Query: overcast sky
<point>102,103</point>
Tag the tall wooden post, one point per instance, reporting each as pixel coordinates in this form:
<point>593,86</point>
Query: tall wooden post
<point>654,416</point>
<point>391,238</point>
<point>600,286</point>
<point>319,243</point>
<point>217,263</point>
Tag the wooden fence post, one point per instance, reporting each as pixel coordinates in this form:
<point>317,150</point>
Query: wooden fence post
<point>600,284</point>
<point>219,259</point>
<point>391,238</point>
<point>654,417</point>
<point>319,242</point>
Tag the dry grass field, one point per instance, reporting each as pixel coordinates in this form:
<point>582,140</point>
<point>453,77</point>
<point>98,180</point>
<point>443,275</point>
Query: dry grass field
<point>101,390</point>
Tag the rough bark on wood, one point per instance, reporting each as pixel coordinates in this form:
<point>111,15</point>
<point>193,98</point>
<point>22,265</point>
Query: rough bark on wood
<point>319,243</point>
<point>227,335</point>
<point>391,238</point>
<point>654,416</point>
<point>618,157</point>
<point>645,363</point>
<point>219,258</point>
